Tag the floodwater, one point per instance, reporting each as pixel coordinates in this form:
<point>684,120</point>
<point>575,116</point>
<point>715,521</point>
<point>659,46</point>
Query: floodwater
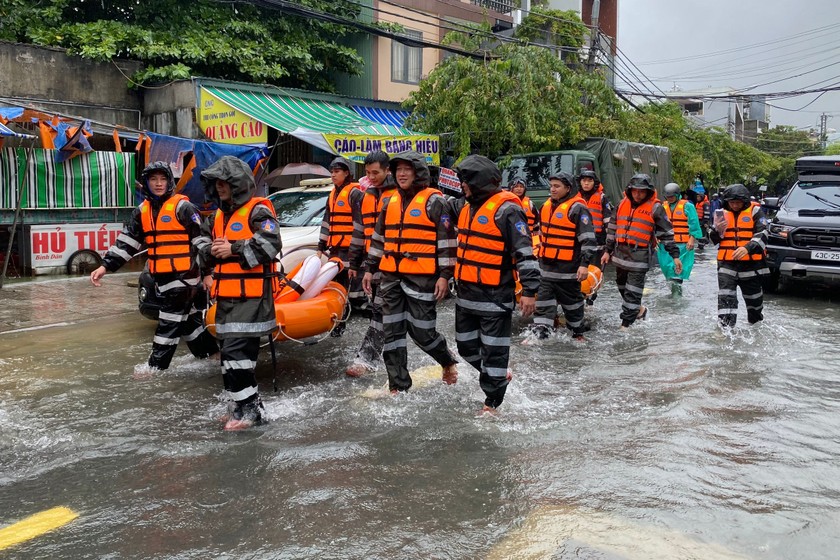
<point>671,440</point>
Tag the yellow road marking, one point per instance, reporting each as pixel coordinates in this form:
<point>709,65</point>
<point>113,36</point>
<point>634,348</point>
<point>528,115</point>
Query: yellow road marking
<point>548,531</point>
<point>35,525</point>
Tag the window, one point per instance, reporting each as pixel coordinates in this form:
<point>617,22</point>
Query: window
<point>406,62</point>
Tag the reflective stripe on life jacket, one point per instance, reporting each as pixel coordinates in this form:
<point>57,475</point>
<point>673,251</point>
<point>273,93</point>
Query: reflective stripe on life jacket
<point>410,236</point>
<point>679,220</point>
<point>371,208</point>
<point>557,231</point>
<point>739,231</point>
<point>634,226</point>
<point>595,203</point>
<point>230,280</point>
<point>166,238</point>
<point>481,248</point>
<point>341,217</point>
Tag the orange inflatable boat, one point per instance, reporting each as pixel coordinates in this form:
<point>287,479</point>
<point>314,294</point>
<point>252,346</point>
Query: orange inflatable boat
<point>301,318</point>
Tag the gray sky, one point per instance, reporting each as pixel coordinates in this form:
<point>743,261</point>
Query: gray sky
<point>800,36</point>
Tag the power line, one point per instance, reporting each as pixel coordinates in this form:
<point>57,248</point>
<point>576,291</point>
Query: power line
<point>744,47</point>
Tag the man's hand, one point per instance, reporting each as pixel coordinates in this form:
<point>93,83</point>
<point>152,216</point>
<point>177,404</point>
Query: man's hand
<point>367,280</point>
<point>527,305</point>
<point>441,288</point>
<point>678,266</point>
<point>605,259</point>
<point>690,244</point>
<point>97,275</point>
<point>582,273</point>
<point>221,248</point>
<point>208,282</point>
<point>351,274</point>
<point>740,253</point>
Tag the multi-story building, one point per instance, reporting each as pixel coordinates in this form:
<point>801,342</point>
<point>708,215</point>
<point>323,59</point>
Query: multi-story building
<point>713,108</point>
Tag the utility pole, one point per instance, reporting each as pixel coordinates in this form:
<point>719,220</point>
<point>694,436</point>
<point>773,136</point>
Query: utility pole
<point>823,130</point>
<point>594,36</point>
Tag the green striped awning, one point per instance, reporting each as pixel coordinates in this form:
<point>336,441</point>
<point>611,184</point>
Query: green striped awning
<point>286,113</point>
<point>94,180</point>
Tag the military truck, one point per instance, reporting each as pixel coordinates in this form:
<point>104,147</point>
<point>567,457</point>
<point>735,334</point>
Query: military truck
<point>615,162</point>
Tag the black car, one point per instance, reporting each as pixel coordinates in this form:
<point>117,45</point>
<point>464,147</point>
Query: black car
<point>804,234</point>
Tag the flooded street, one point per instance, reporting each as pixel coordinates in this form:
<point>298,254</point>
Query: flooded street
<point>670,440</point>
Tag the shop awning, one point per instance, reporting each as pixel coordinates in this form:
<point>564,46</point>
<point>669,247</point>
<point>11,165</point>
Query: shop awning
<point>286,113</point>
<point>391,117</point>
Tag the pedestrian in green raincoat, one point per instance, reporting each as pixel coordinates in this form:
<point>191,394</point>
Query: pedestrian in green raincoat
<point>687,231</point>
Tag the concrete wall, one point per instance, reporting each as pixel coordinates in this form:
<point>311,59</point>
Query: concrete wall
<point>48,79</point>
<point>171,110</point>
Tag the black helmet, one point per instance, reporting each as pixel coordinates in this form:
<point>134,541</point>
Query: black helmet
<point>672,189</point>
<point>157,167</point>
<point>641,181</point>
<point>565,178</point>
<point>588,173</point>
<point>736,192</point>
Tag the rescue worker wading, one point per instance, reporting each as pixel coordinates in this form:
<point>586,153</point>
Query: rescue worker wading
<point>638,219</point>
<point>242,240</point>
<point>741,231</point>
<point>413,246</point>
<point>382,186</point>
<point>683,217</point>
<point>567,245</point>
<point>493,235</point>
<point>341,218</point>
<point>531,211</point>
<point>167,224</point>
<point>600,209</point>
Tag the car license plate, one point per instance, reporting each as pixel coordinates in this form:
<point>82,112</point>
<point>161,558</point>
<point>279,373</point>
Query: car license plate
<point>825,255</point>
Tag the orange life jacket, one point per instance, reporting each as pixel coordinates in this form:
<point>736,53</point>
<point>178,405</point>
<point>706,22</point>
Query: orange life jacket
<point>230,280</point>
<point>557,231</point>
<point>596,208</point>
<point>410,236</point>
<point>739,232</point>
<point>371,208</point>
<point>679,220</point>
<point>341,217</point>
<point>481,253</point>
<point>166,238</point>
<point>701,206</point>
<point>635,226</point>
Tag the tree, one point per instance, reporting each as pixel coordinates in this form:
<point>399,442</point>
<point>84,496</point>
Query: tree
<point>833,149</point>
<point>518,98</point>
<point>176,39</point>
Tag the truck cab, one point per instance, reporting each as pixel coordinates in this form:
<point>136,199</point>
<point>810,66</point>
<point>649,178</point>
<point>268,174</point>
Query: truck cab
<point>804,235</point>
<point>536,168</point>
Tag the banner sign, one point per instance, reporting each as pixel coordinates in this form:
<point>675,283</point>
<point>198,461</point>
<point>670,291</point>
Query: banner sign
<point>355,147</point>
<point>449,179</point>
<point>52,245</point>
<point>222,123</point>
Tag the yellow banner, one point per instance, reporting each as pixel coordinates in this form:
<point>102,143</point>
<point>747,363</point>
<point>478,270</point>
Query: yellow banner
<point>356,147</point>
<point>222,123</point>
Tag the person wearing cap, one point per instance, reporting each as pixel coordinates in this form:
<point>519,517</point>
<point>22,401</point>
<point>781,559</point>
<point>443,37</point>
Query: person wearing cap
<point>381,186</point>
<point>701,203</point>
<point>341,218</point>
<point>519,188</point>
<point>683,217</point>
<point>241,240</point>
<point>600,208</point>
<point>567,246</point>
<point>715,204</point>
<point>637,222</point>
<point>740,232</point>
<point>166,224</point>
<point>413,246</point>
<point>494,239</point>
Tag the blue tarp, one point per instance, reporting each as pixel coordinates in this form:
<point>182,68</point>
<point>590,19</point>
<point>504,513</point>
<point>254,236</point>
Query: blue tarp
<point>171,148</point>
<point>392,117</point>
